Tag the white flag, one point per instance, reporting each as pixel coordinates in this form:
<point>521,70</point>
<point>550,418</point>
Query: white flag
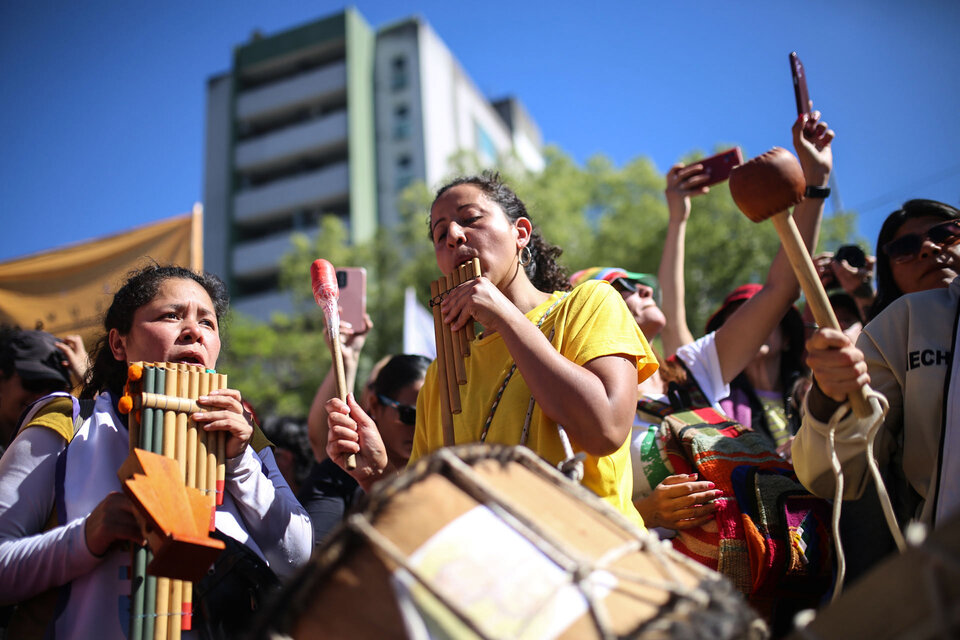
<point>418,337</point>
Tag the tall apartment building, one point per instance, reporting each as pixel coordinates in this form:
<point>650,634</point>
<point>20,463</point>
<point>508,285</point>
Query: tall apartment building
<point>335,118</point>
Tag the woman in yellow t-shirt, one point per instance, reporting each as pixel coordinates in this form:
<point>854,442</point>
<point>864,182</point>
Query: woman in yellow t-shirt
<point>578,356</point>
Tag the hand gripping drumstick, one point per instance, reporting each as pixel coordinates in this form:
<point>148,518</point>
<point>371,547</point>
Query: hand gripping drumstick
<point>327,294</point>
<point>766,187</point>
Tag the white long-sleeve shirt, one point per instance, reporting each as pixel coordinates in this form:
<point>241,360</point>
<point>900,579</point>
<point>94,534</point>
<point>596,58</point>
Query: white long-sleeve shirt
<point>40,476</point>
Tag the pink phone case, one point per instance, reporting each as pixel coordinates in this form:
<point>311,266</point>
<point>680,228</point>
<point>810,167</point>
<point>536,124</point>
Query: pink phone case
<point>352,282</point>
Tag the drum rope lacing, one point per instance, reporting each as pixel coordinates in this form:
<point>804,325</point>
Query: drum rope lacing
<point>836,467</point>
<point>579,568</point>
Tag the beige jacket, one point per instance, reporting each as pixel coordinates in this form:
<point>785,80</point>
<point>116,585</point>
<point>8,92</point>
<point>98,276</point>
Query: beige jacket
<point>907,349</point>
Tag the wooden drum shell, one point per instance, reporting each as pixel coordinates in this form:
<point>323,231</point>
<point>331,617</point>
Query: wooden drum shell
<point>348,589</point>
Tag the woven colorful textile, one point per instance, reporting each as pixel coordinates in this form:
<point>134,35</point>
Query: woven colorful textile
<point>770,536</point>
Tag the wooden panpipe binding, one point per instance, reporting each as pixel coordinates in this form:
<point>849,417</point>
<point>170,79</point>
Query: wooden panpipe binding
<point>452,347</point>
<point>175,474</point>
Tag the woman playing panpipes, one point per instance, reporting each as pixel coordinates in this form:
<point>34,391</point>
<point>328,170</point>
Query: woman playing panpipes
<point>64,522</point>
<point>578,356</point>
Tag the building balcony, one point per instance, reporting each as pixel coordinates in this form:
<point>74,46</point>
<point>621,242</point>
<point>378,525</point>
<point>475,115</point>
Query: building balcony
<point>307,190</point>
<point>262,256</point>
<point>314,136</point>
<point>293,93</point>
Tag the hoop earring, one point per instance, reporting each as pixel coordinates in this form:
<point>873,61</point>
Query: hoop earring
<point>525,259</point>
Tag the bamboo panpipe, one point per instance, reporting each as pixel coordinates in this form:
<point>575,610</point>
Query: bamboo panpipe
<point>452,347</point>
<point>159,398</point>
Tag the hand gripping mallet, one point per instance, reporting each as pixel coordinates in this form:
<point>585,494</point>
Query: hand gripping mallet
<point>327,294</point>
<point>766,187</point>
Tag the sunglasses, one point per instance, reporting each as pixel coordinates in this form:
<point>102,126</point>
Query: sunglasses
<point>624,285</point>
<point>407,413</point>
<point>906,248</point>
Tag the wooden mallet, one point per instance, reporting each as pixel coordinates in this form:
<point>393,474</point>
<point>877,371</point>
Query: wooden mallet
<point>766,187</point>
<point>327,294</point>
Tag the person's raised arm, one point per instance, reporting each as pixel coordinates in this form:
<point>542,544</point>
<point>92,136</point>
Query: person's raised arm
<point>317,418</point>
<point>352,431</point>
<point>742,335</point>
<point>682,183</point>
<point>838,369</point>
<point>856,281</point>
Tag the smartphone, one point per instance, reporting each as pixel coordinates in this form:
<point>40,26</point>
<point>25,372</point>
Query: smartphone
<point>719,166</point>
<point>799,84</point>
<point>352,282</point>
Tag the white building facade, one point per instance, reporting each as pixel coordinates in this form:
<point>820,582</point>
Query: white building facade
<point>333,118</point>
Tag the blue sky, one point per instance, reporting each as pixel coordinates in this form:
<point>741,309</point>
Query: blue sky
<point>102,103</point>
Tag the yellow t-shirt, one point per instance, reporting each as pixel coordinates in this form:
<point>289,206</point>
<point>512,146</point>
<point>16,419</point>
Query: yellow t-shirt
<point>592,321</point>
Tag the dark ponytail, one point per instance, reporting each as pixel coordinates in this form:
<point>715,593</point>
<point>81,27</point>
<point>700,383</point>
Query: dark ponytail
<point>543,270</point>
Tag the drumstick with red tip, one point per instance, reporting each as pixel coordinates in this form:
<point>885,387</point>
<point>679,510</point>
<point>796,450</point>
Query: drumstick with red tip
<point>327,294</point>
<point>766,187</point>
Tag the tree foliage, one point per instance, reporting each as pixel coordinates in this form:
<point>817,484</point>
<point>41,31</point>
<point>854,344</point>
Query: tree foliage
<point>600,214</point>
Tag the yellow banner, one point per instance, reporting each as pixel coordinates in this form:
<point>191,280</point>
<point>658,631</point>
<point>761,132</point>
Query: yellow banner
<point>67,290</point>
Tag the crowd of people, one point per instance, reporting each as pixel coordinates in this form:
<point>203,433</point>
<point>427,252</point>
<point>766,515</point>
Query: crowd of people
<point>563,365</point>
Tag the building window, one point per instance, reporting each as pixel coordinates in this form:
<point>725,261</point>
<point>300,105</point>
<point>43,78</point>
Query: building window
<point>398,73</point>
<point>485,147</point>
<point>401,122</point>
<point>404,171</point>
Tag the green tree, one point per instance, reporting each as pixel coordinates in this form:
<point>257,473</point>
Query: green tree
<point>600,214</point>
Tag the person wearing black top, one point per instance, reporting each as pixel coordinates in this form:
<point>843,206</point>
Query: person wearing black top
<point>329,492</point>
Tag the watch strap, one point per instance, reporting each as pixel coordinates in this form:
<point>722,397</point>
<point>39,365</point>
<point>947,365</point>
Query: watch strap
<point>817,192</point>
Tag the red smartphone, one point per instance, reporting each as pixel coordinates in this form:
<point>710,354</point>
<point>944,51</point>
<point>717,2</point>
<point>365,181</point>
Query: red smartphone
<point>799,84</point>
<point>719,166</point>
<point>352,282</point>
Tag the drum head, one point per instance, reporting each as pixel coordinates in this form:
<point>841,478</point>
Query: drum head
<point>491,542</point>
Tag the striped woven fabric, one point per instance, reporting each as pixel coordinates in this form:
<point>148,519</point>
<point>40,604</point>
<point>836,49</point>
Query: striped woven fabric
<point>770,536</point>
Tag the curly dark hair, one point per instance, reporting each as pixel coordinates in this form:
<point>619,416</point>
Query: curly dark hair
<point>142,285</point>
<point>543,270</point>
<point>887,289</point>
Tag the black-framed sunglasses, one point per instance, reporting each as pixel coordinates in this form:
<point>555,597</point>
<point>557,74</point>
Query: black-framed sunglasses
<point>906,248</point>
<point>407,413</point>
<point>626,286</point>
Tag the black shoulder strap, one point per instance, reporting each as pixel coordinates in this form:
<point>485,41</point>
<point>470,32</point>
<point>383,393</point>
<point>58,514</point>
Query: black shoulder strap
<point>943,413</point>
<point>86,410</point>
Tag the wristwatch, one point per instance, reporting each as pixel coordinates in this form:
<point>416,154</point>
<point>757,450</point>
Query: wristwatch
<point>817,192</point>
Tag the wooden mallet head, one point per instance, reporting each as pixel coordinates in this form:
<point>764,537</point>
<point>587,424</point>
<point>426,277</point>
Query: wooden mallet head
<point>768,184</point>
<point>766,187</point>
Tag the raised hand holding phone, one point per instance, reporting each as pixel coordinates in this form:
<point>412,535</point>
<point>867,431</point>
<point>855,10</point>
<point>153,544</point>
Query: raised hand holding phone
<point>800,92</point>
<point>352,283</point>
<point>717,167</point>
<point>686,181</point>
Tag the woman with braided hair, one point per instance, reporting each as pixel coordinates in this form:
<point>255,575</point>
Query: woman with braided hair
<point>572,359</point>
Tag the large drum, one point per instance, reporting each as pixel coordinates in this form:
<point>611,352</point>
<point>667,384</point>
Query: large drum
<point>490,542</point>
